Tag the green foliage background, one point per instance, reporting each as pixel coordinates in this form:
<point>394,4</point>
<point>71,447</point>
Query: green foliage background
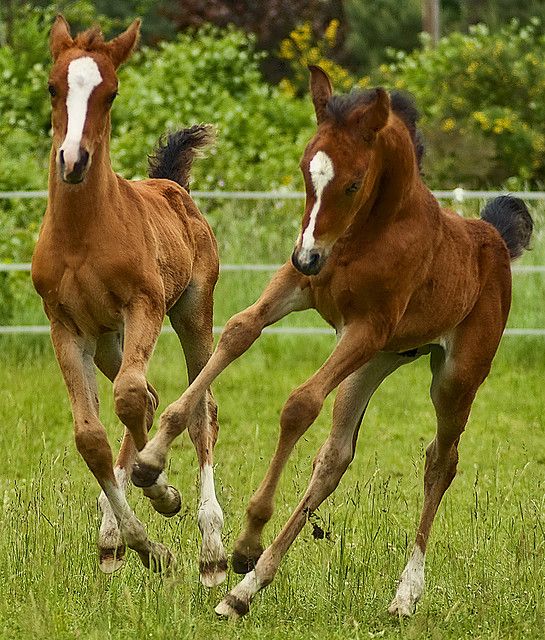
<point>480,94</point>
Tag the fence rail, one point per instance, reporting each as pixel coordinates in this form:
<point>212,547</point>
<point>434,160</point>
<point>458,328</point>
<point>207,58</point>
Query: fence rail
<point>25,266</point>
<point>458,195</point>
<point>42,329</point>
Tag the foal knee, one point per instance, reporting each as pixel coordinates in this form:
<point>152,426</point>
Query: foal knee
<point>131,397</point>
<point>93,445</point>
<point>240,332</point>
<point>300,410</point>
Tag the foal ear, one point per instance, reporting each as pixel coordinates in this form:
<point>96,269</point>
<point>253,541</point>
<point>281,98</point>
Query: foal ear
<point>120,48</point>
<point>371,118</point>
<point>60,38</point>
<point>320,90</point>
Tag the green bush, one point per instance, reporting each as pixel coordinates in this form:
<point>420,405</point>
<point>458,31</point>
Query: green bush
<point>211,76</point>
<point>205,76</point>
<point>481,97</point>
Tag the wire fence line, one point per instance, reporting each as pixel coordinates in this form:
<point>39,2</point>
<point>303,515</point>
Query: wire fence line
<point>458,195</point>
<point>25,266</point>
<point>42,329</point>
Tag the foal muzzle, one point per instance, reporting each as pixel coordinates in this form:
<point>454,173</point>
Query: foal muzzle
<point>73,167</point>
<point>308,262</point>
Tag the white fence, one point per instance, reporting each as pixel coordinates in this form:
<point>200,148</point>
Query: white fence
<point>458,195</point>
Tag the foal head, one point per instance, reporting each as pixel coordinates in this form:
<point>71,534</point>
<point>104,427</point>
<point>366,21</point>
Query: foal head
<point>343,160</point>
<point>83,86</point>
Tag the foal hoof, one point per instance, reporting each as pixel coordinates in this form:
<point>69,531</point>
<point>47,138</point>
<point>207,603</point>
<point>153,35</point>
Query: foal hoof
<point>213,573</point>
<point>111,560</point>
<point>159,559</point>
<point>402,609</point>
<point>143,475</point>
<point>232,607</point>
<point>169,504</point>
<point>244,563</point>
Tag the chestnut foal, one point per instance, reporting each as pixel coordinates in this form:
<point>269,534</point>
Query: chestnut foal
<point>398,277</point>
<point>112,258</point>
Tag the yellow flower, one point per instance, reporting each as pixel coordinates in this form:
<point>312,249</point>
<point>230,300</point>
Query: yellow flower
<point>502,124</point>
<point>364,82</point>
<point>286,50</point>
<point>448,124</point>
<point>539,143</point>
<point>472,67</point>
<point>286,87</point>
<point>481,118</point>
<point>331,32</point>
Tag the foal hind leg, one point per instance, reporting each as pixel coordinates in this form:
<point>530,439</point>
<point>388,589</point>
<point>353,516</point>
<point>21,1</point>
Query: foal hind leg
<point>458,371</point>
<point>110,543</point>
<point>329,466</point>
<point>75,357</point>
<point>191,318</point>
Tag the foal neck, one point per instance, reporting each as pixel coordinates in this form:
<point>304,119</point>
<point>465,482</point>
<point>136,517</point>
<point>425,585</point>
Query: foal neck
<point>73,208</point>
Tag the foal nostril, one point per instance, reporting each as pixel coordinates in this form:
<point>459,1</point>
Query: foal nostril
<point>295,260</point>
<point>61,158</point>
<point>314,258</point>
<point>83,158</point>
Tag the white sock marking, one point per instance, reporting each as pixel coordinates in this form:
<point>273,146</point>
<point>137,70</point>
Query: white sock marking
<point>210,513</point>
<point>83,77</point>
<point>321,173</point>
<point>411,585</point>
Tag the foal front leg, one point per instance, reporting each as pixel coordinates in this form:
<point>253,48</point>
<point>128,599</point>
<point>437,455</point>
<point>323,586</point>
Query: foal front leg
<point>329,466</point>
<point>133,402</point>
<point>75,357</point>
<point>286,292</point>
<point>111,547</point>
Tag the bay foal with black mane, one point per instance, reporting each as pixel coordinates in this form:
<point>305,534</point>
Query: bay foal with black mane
<point>112,258</point>
<point>398,277</point>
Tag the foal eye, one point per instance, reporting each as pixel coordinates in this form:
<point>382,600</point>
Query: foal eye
<point>353,187</point>
<point>52,90</point>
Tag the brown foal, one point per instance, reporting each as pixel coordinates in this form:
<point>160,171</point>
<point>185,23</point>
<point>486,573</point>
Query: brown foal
<point>112,258</point>
<point>398,277</point>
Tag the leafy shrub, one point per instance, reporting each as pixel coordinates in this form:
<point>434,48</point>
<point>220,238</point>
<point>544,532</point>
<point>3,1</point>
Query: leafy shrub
<point>482,90</point>
<point>211,76</point>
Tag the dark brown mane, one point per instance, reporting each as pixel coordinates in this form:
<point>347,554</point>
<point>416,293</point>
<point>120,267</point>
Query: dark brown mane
<point>90,40</point>
<point>339,107</point>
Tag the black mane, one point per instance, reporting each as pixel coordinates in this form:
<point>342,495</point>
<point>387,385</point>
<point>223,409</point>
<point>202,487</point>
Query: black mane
<point>403,105</point>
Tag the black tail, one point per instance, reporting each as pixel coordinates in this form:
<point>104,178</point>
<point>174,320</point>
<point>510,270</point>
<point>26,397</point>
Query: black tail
<point>174,154</point>
<point>512,219</point>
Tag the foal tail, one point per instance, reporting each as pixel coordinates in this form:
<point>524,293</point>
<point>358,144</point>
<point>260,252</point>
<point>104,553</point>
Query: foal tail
<point>175,153</point>
<point>512,219</point>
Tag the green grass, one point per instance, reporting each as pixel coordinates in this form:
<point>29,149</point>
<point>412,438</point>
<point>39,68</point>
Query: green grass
<point>486,566</point>
<point>486,563</point>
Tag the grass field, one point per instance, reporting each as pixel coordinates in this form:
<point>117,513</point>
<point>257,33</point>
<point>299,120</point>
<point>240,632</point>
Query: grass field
<point>486,563</point>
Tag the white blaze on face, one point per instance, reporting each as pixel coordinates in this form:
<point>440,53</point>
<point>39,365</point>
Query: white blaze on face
<point>321,174</point>
<point>83,77</point>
